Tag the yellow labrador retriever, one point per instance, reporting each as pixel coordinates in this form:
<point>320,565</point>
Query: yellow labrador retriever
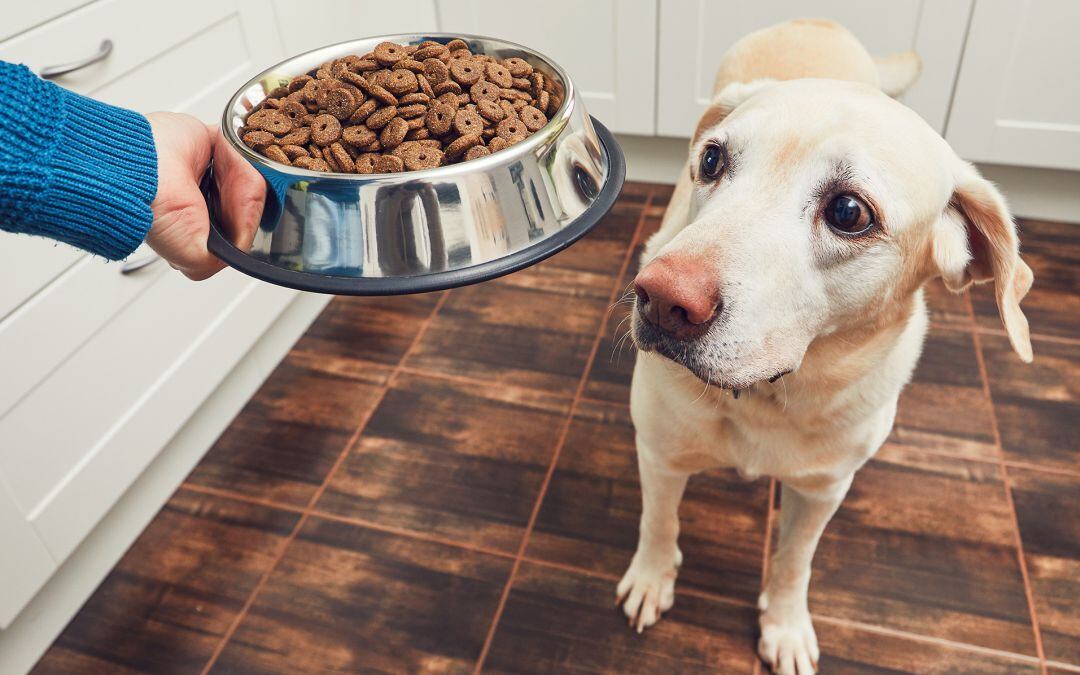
<point>780,309</point>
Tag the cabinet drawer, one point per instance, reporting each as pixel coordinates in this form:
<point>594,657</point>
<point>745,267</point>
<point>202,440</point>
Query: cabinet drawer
<point>48,327</point>
<point>71,447</point>
<point>182,56</point>
<point>28,264</point>
<point>21,16</point>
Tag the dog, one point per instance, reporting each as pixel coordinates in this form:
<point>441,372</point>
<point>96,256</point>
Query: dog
<point>779,309</point>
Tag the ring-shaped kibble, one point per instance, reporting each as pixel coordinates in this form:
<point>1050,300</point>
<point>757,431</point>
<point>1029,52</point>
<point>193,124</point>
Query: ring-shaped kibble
<point>476,152</point>
<point>457,43</point>
<point>419,157</point>
<point>484,89</point>
<point>534,119</point>
<point>268,120</point>
<point>388,164</point>
<point>393,133</point>
<point>378,119</point>
<point>415,97</point>
<point>257,138</point>
<point>294,111</point>
<point>342,157</point>
<point>389,53</point>
<point>401,82</point>
<point>325,129</point>
<point>412,110</point>
<point>294,151</point>
<point>497,73</point>
<point>498,143</point>
<point>421,133</point>
<point>328,157</point>
<point>537,83</point>
<point>430,51</point>
<point>468,122</point>
<point>466,72</point>
<point>543,103</point>
<point>518,67</point>
<point>490,110</point>
<point>461,145</point>
<point>436,71</point>
<point>341,103</point>
<point>450,99</point>
<point>410,64</point>
<point>366,108</point>
<point>383,95</point>
<point>448,87</point>
<point>358,135</point>
<point>298,136</point>
<point>298,83</point>
<point>425,86</point>
<point>439,119</point>
<point>511,126</point>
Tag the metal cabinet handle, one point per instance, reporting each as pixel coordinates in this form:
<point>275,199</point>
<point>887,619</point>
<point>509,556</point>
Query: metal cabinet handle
<point>136,264</point>
<point>104,50</point>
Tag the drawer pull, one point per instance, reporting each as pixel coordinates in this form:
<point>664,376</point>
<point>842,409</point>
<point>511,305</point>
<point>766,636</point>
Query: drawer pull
<point>104,50</point>
<point>136,264</point>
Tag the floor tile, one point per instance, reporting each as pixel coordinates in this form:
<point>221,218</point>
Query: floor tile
<point>458,460</point>
<point>845,649</point>
<point>286,439</point>
<point>170,599</point>
<point>925,544</point>
<point>944,408</point>
<point>345,598</point>
<point>946,308</point>
<point>557,622</point>
<point>1037,404</point>
<point>1048,509</point>
<point>512,335</point>
<point>609,378</point>
<point>589,516</point>
<point>1052,307</point>
<point>354,332</point>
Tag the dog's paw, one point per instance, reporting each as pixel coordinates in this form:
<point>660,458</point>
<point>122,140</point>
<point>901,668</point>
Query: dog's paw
<point>646,591</point>
<point>788,643</point>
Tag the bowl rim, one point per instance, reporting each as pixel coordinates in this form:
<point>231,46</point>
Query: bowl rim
<point>220,246</point>
<point>547,134</point>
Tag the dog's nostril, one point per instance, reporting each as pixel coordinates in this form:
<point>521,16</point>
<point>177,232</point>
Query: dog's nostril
<point>642,294</point>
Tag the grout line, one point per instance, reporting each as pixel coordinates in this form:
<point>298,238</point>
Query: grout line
<point>237,497</point>
<point>582,380</point>
<point>1061,665</point>
<point>1068,473</point>
<point>280,554</point>
<point>1021,558</point>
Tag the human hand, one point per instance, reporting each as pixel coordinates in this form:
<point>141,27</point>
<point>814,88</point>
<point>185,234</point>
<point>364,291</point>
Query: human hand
<point>181,223</point>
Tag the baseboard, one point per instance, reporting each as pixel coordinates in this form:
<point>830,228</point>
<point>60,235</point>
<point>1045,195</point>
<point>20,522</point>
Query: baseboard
<point>23,643</point>
<point>1039,194</point>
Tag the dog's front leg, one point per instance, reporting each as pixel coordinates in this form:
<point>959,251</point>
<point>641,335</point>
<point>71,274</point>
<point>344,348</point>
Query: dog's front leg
<point>648,587</point>
<point>788,643</point>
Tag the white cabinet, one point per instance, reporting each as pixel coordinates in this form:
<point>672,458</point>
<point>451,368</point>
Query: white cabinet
<point>97,369</point>
<point>1018,95</point>
<point>694,35</point>
<point>343,20</point>
<point>607,46</point>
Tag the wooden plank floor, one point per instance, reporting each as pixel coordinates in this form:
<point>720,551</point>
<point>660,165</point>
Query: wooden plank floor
<point>447,483</point>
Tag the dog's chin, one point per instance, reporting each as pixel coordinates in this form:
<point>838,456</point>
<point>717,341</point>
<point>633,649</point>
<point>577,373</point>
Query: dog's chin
<point>648,339</point>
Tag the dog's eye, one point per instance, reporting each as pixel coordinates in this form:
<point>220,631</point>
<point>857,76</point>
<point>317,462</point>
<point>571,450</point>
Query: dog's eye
<point>848,214</point>
<point>712,161</point>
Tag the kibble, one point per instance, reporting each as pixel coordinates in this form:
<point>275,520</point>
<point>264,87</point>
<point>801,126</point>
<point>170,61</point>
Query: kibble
<point>401,108</point>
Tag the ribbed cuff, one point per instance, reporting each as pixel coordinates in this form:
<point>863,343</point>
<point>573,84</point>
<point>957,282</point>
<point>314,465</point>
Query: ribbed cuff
<point>103,179</point>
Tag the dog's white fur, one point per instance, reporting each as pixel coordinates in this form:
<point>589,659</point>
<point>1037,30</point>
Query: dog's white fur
<point>845,316</point>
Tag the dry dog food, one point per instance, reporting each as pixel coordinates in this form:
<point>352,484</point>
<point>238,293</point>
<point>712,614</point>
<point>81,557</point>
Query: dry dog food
<point>401,108</point>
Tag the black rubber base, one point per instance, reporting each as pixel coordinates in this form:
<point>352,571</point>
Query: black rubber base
<point>220,246</point>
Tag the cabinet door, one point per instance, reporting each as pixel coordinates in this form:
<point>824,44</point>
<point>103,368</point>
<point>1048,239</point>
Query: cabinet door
<point>25,563</point>
<point>343,20</point>
<point>1018,96</point>
<point>694,34</point>
<point>608,47</point>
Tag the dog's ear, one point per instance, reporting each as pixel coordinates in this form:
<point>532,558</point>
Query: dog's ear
<point>975,241</point>
<point>729,98</point>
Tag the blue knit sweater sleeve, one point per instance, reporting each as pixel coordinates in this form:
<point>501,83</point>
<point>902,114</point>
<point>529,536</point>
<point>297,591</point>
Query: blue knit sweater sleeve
<point>72,168</point>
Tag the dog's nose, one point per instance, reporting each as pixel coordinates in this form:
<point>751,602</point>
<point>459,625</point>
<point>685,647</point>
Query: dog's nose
<point>678,295</point>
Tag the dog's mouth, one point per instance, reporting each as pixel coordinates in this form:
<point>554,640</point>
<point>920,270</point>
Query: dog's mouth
<point>647,338</point>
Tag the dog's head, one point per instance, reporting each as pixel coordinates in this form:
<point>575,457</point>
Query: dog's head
<point>817,207</point>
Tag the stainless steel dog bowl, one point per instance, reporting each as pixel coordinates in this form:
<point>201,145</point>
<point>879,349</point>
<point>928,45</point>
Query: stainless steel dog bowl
<point>385,234</point>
